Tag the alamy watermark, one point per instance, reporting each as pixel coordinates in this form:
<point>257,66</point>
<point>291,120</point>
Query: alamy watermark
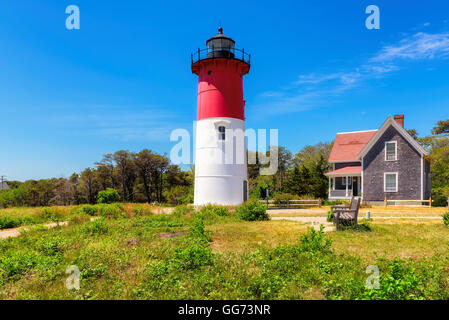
<point>227,147</point>
<point>73,280</point>
<point>373,20</point>
<point>73,20</point>
<point>372,282</point>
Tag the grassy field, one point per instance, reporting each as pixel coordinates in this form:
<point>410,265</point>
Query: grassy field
<point>129,252</point>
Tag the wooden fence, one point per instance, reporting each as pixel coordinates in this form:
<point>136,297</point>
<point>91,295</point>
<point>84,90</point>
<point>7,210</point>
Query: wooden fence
<point>291,203</point>
<point>408,201</point>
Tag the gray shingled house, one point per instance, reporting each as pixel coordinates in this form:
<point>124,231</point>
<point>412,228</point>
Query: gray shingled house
<point>378,164</point>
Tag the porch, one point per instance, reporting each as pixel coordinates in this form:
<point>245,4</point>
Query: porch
<point>345,183</point>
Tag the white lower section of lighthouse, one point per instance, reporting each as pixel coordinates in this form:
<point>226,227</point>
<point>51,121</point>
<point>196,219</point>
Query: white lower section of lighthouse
<point>220,162</point>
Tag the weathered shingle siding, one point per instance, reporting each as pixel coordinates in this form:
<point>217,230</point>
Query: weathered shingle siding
<point>408,167</point>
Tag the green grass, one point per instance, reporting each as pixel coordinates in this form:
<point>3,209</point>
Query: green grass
<point>216,255</point>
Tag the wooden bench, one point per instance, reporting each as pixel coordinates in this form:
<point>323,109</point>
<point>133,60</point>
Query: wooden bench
<point>347,213</point>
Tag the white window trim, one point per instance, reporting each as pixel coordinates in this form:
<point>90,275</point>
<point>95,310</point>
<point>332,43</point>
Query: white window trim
<point>395,150</point>
<point>385,181</point>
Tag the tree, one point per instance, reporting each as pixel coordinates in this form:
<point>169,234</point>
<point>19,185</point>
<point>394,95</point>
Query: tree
<point>442,127</point>
<point>105,170</point>
<point>311,154</point>
<point>146,163</point>
<point>413,133</point>
<point>89,184</point>
<point>125,164</point>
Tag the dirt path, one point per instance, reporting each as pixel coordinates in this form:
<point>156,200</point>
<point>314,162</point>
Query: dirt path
<point>15,232</point>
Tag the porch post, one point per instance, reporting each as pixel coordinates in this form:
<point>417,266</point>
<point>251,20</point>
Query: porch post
<point>329,187</point>
<point>346,186</point>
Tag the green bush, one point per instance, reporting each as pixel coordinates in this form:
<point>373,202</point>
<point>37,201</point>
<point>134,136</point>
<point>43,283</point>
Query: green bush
<point>108,196</point>
<point>214,210</point>
<point>88,209</point>
<point>182,210</point>
<point>8,222</point>
<point>142,211</point>
<point>198,232</point>
<point>330,215</point>
<point>95,227</point>
<point>193,256</point>
<point>253,211</point>
<point>50,214</point>
<point>51,245</point>
<point>111,211</point>
<point>446,219</point>
<point>400,282</point>
<point>315,241</point>
<point>179,195</point>
<point>16,263</point>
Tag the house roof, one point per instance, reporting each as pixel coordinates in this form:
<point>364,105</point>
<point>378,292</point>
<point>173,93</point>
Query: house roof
<point>350,170</point>
<point>391,122</point>
<point>347,145</point>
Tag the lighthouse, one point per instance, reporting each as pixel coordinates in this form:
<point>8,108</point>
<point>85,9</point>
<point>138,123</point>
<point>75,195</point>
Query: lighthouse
<point>220,153</point>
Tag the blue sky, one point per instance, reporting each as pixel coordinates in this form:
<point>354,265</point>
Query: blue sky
<point>123,81</point>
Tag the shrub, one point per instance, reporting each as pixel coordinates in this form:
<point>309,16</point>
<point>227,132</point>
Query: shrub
<point>142,211</point>
<point>198,232</point>
<point>88,209</point>
<point>179,195</point>
<point>400,282</point>
<point>193,256</point>
<point>214,210</point>
<point>253,211</point>
<point>446,219</point>
<point>50,213</point>
<point>111,211</point>
<point>108,196</point>
<point>14,264</point>
<point>330,215</point>
<point>95,227</point>
<point>51,245</point>
<point>182,210</point>
<point>315,241</point>
<point>8,222</point>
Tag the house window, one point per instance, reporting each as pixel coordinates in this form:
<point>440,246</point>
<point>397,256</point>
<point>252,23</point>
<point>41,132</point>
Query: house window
<point>391,151</point>
<point>391,182</point>
<point>221,133</point>
<point>346,181</point>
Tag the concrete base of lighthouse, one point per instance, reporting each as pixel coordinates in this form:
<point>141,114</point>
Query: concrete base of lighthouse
<point>220,162</point>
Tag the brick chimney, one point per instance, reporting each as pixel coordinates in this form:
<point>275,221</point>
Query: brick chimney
<point>399,118</point>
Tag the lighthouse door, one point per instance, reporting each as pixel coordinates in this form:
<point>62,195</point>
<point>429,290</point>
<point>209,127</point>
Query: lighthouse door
<point>245,190</point>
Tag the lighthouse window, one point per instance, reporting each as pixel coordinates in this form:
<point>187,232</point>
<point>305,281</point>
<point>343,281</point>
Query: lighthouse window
<point>221,133</point>
<point>209,72</point>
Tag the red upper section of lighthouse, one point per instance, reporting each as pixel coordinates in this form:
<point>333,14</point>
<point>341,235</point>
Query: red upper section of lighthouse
<point>220,79</point>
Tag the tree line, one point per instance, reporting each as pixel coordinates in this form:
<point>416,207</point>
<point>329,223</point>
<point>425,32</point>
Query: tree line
<point>143,176</point>
<point>147,176</point>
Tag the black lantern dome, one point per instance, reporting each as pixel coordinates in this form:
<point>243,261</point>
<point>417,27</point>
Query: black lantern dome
<point>220,46</point>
